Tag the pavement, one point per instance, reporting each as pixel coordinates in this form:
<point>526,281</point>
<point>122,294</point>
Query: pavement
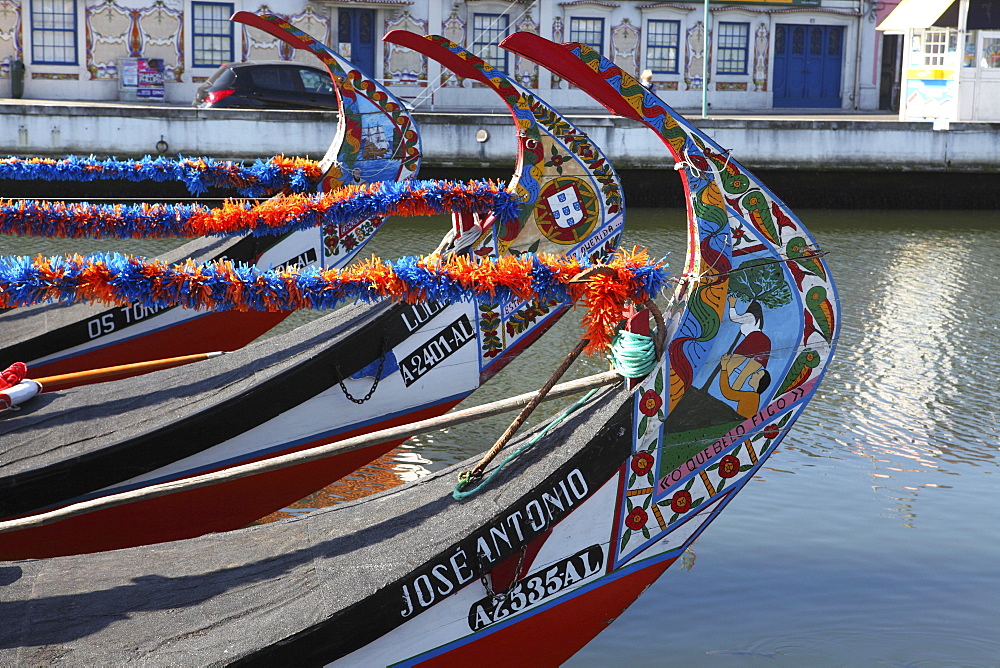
<point>595,111</point>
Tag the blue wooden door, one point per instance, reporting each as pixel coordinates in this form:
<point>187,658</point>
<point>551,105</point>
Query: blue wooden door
<point>357,28</point>
<point>808,61</point>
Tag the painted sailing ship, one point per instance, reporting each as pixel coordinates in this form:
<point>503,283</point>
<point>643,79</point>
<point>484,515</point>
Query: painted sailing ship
<point>374,143</point>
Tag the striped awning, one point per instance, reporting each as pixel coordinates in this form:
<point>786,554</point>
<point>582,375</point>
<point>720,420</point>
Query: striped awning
<point>914,14</point>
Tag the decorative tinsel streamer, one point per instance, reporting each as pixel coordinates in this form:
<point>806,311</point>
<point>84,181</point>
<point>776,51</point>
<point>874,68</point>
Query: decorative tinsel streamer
<point>120,279</point>
<point>262,178</point>
<point>280,214</point>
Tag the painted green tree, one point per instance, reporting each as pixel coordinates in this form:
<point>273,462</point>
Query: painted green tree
<point>760,281</point>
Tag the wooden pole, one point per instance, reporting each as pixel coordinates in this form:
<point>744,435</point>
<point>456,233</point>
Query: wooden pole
<point>312,454</point>
<point>62,381</point>
<point>539,397</point>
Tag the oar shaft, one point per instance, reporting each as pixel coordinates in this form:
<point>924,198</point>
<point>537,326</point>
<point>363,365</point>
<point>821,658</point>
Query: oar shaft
<point>61,381</point>
<point>312,454</point>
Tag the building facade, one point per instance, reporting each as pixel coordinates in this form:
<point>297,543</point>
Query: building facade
<point>761,55</point>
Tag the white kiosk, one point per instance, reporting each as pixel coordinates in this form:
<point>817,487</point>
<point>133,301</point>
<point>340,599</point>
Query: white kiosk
<point>951,59</point>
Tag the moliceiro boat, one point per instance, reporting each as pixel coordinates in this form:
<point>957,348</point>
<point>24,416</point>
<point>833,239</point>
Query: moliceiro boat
<point>363,368</point>
<point>529,561</point>
<point>64,339</point>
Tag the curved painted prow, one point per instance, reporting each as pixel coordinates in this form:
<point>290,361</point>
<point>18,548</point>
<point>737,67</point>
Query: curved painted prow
<point>555,160</point>
<point>740,235</point>
<point>376,137</point>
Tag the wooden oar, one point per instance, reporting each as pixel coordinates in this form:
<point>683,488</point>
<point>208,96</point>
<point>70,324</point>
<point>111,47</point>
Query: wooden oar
<point>310,454</point>
<point>62,381</point>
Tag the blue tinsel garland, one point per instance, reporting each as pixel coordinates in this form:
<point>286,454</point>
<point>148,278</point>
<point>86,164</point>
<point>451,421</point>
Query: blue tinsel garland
<point>260,179</point>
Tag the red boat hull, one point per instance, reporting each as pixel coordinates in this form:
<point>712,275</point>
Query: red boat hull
<point>220,507</point>
<point>553,635</point>
<point>211,332</point>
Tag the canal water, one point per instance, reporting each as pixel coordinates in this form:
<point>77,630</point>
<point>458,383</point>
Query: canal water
<point>873,536</point>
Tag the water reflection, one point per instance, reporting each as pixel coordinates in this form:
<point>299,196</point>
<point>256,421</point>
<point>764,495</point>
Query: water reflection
<point>401,465</point>
<point>910,390</point>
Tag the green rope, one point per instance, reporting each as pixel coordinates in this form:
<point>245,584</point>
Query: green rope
<point>633,355</point>
<point>464,478</point>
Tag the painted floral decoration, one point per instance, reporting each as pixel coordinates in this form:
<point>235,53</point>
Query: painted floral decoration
<point>699,162</point>
<point>650,403</point>
<point>556,160</point>
<point>771,430</point>
<point>681,501</point>
<point>636,519</point>
<point>642,463</point>
<point>729,466</point>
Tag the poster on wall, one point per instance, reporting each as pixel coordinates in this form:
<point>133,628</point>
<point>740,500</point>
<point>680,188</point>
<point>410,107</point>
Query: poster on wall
<point>930,98</point>
<point>129,70</point>
<point>150,78</point>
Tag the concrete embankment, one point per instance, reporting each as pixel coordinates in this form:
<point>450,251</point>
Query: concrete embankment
<point>828,160</point>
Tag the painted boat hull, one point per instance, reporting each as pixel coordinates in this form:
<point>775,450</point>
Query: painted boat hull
<point>223,507</point>
<point>404,577</point>
<point>559,540</point>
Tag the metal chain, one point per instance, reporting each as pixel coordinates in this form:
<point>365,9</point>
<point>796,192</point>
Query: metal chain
<point>378,376</point>
<point>487,585</point>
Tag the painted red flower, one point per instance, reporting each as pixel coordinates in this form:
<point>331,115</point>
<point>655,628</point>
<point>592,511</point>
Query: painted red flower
<point>650,403</point>
<point>729,466</point>
<point>681,501</point>
<point>636,519</point>
<point>771,430</point>
<point>641,463</point>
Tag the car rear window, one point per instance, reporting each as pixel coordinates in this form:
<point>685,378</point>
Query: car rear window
<point>221,78</point>
<point>316,82</point>
<point>275,78</point>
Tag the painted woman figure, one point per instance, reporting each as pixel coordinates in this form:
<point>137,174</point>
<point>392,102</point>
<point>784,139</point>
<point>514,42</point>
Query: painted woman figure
<point>747,401</point>
<point>753,350</point>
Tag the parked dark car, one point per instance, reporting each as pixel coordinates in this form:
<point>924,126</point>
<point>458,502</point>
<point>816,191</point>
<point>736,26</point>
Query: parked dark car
<point>267,85</point>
